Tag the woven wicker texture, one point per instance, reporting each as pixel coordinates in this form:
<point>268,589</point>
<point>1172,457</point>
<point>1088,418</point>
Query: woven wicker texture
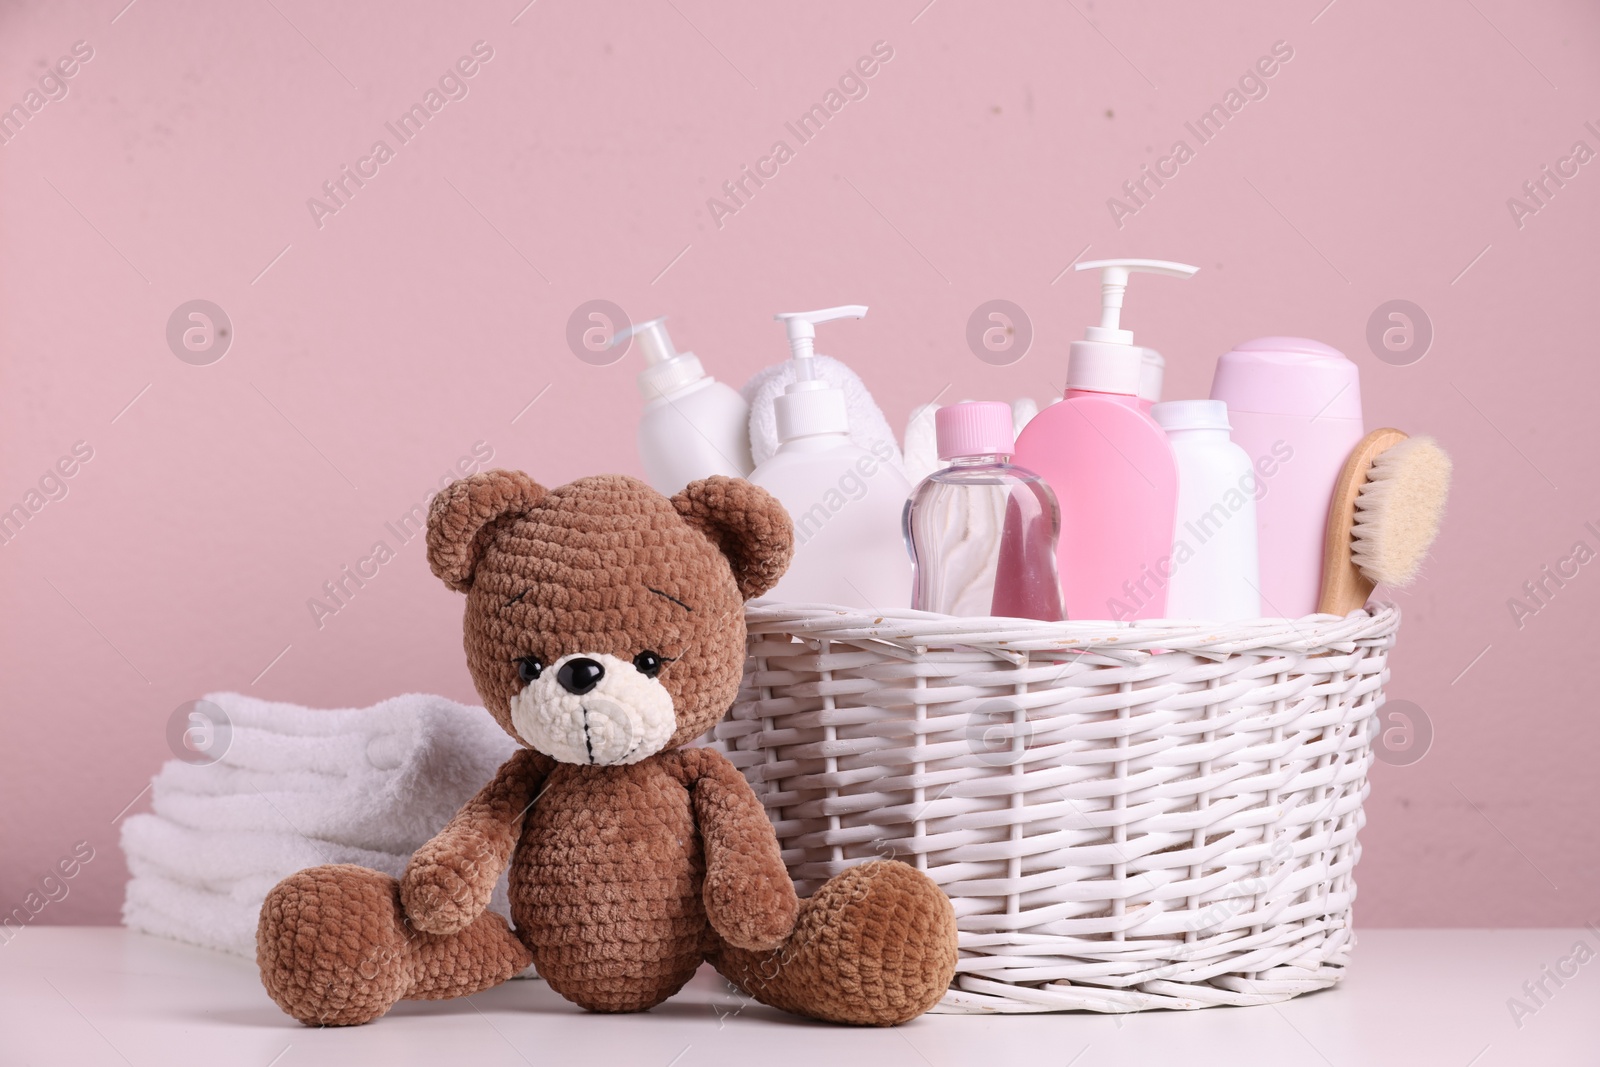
<point>1125,816</point>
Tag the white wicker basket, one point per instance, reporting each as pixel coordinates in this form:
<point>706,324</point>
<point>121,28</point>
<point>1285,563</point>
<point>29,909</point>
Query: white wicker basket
<point>1125,816</point>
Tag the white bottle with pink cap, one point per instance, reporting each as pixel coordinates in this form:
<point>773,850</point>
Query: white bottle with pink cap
<point>1295,407</point>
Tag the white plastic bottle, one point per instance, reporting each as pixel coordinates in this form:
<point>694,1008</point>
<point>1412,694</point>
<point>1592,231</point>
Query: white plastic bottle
<point>845,500</point>
<point>693,426</point>
<point>1215,567</point>
<point>1152,370</point>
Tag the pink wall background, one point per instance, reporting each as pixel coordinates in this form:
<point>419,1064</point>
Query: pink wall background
<point>370,353</point>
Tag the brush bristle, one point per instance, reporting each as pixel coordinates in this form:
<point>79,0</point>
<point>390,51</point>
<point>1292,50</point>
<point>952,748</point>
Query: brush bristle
<point>1398,510</point>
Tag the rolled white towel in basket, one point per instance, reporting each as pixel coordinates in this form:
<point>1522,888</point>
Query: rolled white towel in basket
<point>296,787</point>
<point>867,422</point>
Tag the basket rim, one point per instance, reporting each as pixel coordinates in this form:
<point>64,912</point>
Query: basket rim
<point>918,631</point>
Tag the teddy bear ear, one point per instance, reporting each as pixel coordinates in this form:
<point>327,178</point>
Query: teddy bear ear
<point>746,523</point>
<point>461,518</point>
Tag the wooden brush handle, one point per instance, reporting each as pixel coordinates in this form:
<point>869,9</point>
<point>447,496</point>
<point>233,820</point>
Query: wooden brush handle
<point>1344,587</point>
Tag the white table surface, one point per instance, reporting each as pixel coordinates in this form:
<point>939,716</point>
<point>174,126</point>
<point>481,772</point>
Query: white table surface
<point>99,995</point>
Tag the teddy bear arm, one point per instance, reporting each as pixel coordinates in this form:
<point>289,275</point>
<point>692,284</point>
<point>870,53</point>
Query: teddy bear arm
<point>749,898</point>
<point>449,880</point>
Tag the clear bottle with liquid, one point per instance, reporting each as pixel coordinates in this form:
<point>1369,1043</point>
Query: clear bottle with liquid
<point>982,532</point>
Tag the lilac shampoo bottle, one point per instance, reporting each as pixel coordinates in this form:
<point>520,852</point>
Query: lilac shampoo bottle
<point>1110,464</point>
<point>1296,404</point>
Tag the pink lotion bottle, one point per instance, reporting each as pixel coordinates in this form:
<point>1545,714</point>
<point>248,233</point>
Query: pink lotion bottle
<point>1110,465</point>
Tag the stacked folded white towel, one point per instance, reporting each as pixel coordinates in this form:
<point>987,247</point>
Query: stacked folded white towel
<point>297,787</point>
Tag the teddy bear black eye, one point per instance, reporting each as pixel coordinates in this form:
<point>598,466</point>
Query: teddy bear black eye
<point>648,663</point>
<point>529,668</point>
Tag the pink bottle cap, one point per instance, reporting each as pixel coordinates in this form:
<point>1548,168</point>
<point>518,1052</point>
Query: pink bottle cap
<point>975,428</point>
<point>1288,376</point>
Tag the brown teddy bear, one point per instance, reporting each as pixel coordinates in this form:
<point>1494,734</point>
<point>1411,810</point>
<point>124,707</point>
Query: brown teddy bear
<point>605,631</point>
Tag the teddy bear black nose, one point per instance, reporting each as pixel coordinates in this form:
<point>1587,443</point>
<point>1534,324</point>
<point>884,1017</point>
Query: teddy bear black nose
<point>578,676</point>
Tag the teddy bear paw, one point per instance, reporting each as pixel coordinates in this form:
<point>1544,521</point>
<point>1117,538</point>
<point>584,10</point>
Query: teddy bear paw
<point>438,900</point>
<point>754,923</point>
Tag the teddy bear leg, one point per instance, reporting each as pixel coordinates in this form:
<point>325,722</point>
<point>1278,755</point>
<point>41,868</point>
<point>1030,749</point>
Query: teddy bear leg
<point>335,949</point>
<point>875,946</point>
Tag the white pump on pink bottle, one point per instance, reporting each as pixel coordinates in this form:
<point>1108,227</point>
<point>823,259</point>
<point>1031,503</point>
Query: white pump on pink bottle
<point>1110,465</point>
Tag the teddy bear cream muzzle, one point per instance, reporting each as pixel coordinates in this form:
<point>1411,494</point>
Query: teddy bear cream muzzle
<point>573,716</point>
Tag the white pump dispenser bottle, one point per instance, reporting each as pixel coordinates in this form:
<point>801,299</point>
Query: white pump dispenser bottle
<point>693,426</point>
<point>845,500</point>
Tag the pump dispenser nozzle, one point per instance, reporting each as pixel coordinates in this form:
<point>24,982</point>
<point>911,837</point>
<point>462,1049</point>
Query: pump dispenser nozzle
<point>809,405</point>
<point>802,327</point>
<point>666,369</point>
<point>653,340</point>
<point>1106,360</point>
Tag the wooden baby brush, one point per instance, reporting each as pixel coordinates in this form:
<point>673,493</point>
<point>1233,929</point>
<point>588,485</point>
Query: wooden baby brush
<point>1383,517</point>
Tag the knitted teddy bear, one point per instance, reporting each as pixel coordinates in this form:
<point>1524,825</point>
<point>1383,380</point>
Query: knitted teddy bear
<point>604,631</point>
